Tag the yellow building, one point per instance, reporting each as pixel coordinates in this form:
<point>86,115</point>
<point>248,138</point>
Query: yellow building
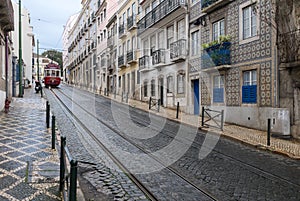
<point>128,82</point>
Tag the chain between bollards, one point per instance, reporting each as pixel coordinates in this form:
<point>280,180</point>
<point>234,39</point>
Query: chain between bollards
<point>53,132</point>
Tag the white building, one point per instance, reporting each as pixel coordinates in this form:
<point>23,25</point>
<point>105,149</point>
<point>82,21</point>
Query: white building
<point>27,41</point>
<point>66,41</point>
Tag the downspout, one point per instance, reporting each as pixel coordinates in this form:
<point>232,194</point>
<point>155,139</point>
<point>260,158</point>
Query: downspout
<point>7,101</point>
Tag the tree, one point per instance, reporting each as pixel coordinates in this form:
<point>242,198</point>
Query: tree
<point>54,55</point>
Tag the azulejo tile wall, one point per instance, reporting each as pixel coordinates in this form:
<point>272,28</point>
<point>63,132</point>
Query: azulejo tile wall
<point>232,88</point>
<point>266,84</point>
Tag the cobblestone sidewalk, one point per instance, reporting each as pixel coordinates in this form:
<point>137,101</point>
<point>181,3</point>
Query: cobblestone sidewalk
<point>29,168</point>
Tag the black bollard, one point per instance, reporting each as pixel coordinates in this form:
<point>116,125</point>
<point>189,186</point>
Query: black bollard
<point>47,114</point>
<point>202,119</point>
<point>53,132</point>
<point>150,103</point>
<point>177,111</point>
<point>269,133</point>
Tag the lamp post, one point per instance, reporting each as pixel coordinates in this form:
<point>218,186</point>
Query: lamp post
<point>20,52</point>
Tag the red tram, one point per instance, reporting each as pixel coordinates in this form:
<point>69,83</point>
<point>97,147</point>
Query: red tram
<point>52,75</point>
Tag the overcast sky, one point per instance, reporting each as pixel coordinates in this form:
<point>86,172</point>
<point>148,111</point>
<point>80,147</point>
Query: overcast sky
<point>48,19</point>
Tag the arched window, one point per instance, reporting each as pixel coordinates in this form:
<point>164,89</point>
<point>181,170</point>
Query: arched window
<point>180,83</point>
<point>152,87</point>
<point>170,84</point>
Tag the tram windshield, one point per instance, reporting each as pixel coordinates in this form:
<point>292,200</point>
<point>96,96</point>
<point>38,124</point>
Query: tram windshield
<point>52,73</point>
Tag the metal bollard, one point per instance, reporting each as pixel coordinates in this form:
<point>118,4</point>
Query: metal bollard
<point>177,111</point>
<point>127,97</point>
<point>158,105</point>
<point>122,97</point>
<point>202,119</point>
<point>53,132</point>
<point>47,114</point>
<point>115,94</point>
<point>105,92</point>
<point>73,180</point>
<point>269,132</point>
<point>222,120</point>
<point>62,163</point>
<point>41,92</point>
<point>150,103</point>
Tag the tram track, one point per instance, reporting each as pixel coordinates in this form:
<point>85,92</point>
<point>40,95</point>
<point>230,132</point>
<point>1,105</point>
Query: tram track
<point>140,121</point>
<point>135,180</point>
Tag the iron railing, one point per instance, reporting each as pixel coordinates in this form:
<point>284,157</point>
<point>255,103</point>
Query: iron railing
<point>131,22</point>
<point>144,62</point>
<point>178,49</point>
<point>131,56</point>
<point>121,61</point>
<point>159,12</point>
<point>216,55</point>
<point>158,57</point>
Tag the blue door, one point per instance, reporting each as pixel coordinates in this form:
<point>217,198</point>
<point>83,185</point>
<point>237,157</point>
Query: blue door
<point>196,96</point>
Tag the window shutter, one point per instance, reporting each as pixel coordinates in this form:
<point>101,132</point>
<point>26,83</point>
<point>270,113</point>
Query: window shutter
<point>249,94</point>
<point>218,95</point>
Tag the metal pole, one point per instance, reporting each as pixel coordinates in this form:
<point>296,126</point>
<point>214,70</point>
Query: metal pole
<point>20,52</point>
<point>222,119</point>
<point>202,118</point>
<point>127,97</point>
<point>150,103</point>
<point>7,102</point>
<point>177,111</point>
<point>62,163</point>
<point>53,132</point>
<point>158,104</point>
<point>38,61</point>
<point>47,114</point>
<point>269,132</point>
<point>73,180</point>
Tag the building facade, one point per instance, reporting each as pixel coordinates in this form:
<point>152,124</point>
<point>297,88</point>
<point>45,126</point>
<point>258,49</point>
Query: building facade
<point>6,26</point>
<point>127,49</point>
<point>163,35</point>
<point>27,45</point>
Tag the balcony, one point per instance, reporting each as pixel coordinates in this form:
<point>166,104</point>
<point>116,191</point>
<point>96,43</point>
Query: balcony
<point>122,30</point>
<point>216,56</point>
<point>162,10</point>
<point>158,57</point>
<point>131,23</point>
<point>131,57</point>
<point>144,63</point>
<point>178,50</point>
<point>121,61</point>
<point>110,41</point>
<point>210,5</point>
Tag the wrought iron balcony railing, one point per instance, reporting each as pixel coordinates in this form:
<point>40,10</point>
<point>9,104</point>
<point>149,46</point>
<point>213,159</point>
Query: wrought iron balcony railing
<point>216,55</point>
<point>158,57</point>
<point>144,62</point>
<point>178,49</point>
<point>131,56</point>
<point>159,12</point>
<point>121,61</point>
<point>209,5</point>
<point>121,30</point>
<point>131,22</point>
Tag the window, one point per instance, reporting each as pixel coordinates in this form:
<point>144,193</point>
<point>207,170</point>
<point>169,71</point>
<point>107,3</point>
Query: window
<point>145,89</point>
<point>153,43</point>
<point>161,40</point>
<point>152,87</point>
<point>128,46</point>
<point>180,83</point>
<point>249,88</point>
<point>218,90</point>
<point>181,29</point>
<point>133,9</point>
<point>104,13</point>
<point>146,47</point>
<point>133,45</point>
<point>170,35</point>
<point>154,4</point>
<point>170,84</point>
<point>218,29</point>
<point>128,12</point>
<point>249,22</point>
<point>147,10</point>
<point>195,43</point>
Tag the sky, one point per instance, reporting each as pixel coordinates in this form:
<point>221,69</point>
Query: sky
<point>48,19</point>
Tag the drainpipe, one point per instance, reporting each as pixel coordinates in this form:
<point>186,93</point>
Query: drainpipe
<point>7,101</point>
